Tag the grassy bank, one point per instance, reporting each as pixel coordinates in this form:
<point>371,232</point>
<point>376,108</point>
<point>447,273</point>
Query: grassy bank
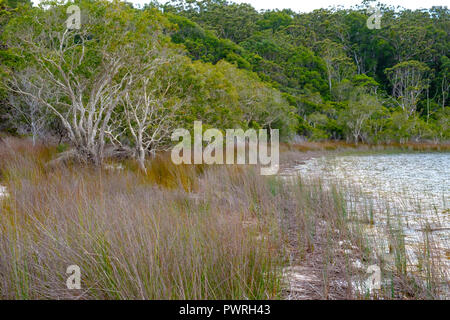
<point>385,147</point>
<point>187,233</point>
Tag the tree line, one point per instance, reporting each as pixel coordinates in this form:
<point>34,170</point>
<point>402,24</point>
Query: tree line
<point>130,76</point>
<point>119,84</point>
<point>345,80</point>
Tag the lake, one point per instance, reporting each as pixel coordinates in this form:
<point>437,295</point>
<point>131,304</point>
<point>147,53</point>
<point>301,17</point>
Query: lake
<point>412,188</point>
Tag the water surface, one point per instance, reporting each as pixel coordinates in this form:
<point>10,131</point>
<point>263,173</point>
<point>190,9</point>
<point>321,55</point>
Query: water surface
<point>413,188</point>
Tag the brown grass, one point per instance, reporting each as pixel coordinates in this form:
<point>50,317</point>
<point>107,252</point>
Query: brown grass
<point>188,232</point>
<point>342,145</point>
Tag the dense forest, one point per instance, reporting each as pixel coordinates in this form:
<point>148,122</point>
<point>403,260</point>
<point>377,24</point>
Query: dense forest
<point>344,80</point>
<point>129,76</point>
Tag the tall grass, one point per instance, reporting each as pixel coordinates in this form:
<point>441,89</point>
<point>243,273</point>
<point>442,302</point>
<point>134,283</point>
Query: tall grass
<point>131,239</point>
<point>179,233</point>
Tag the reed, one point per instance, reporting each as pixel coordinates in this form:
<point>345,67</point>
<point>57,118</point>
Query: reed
<point>188,232</point>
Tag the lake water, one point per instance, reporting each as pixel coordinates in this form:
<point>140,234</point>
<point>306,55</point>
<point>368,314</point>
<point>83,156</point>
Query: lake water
<point>411,188</point>
<point>403,177</point>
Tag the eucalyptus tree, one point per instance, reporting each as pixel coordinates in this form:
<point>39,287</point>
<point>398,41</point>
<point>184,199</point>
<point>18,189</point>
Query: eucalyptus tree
<point>80,74</point>
<point>444,80</point>
<point>26,114</point>
<point>234,21</point>
<point>154,101</point>
<point>408,79</point>
<point>339,66</point>
<point>260,104</point>
<point>358,113</point>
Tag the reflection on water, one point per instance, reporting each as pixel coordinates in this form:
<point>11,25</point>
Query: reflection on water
<point>413,188</point>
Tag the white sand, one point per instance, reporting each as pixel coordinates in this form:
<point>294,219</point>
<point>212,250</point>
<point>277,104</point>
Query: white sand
<point>3,192</point>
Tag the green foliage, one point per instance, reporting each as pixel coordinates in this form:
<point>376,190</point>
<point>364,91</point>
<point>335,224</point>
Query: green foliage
<point>204,45</point>
<point>332,53</point>
<point>227,20</point>
<point>305,73</point>
<point>16,3</point>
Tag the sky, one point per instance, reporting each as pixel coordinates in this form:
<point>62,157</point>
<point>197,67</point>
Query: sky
<point>309,5</point>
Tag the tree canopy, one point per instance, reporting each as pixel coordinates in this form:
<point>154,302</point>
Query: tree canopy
<point>131,75</point>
